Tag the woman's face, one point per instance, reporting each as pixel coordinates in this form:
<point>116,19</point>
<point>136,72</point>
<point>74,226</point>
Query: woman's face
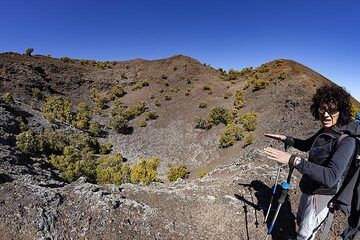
<point>329,114</point>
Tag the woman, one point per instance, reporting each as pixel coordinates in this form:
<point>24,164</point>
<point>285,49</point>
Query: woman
<point>328,160</point>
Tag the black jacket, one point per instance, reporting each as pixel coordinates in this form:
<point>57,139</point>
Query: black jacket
<point>327,162</point>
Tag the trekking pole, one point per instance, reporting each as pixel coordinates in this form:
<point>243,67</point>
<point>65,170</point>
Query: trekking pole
<point>285,189</point>
<point>274,189</point>
<point>273,192</point>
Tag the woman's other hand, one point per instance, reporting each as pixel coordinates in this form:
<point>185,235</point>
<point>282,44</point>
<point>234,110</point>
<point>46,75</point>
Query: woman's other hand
<point>277,155</point>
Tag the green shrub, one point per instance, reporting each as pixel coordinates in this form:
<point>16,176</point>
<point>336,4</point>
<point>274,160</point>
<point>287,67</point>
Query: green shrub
<point>111,169</point>
<point>166,82</point>
<point>37,93</point>
<point>246,71</point>
<point>57,108</point>
<point>22,125</point>
<point>29,51</point>
<point>218,115</point>
<point>283,76</point>
<point>203,104</point>
<point>7,97</point>
<point>163,76</point>
<point>227,95</point>
<point>239,101</point>
<point>249,121</point>
<point>246,84</point>
<point>144,171</point>
<point>264,68</point>
<point>354,109</point>
<point>226,141</point>
<point>161,90</point>
<point>28,143</point>
<point>202,173</point>
<point>95,128</point>
<point>157,102</point>
<point>188,80</point>
<point>117,92</point>
<point>202,124</point>
<point>54,142</point>
<point>140,84</point>
<point>151,115</point>
<point>167,97</point>
<point>106,149</point>
<point>206,87</point>
<point>100,100</point>
<point>232,133</point>
<point>83,116</point>
<point>176,172</point>
<point>142,122</point>
<point>249,139</point>
<point>119,123</point>
<point>74,164</point>
<point>259,84</point>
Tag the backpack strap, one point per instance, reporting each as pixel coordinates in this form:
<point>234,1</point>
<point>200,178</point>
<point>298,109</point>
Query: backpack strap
<point>330,215</point>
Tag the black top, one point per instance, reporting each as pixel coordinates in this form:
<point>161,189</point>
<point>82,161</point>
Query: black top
<point>327,163</point>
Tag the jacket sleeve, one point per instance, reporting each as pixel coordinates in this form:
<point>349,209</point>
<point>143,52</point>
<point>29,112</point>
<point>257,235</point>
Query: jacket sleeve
<point>302,145</point>
<point>330,174</point>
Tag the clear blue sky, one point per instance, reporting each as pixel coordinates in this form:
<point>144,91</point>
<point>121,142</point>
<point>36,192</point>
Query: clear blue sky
<point>323,35</point>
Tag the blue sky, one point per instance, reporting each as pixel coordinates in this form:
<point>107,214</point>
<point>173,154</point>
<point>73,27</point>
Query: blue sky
<point>323,35</point>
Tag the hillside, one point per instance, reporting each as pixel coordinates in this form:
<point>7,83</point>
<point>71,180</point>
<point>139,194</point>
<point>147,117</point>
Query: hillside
<point>37,200</point>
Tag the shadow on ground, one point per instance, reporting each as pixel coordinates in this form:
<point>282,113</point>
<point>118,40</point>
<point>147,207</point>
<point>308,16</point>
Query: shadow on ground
<point>284,227</point>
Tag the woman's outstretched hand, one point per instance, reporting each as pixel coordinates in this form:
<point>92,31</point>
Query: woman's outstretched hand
<point>277,155</point>
<point>275,136</point>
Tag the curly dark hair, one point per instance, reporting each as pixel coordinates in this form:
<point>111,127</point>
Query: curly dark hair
<point>336,95</point>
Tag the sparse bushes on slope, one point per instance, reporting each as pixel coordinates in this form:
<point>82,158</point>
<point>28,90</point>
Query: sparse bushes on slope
<point>202,173</point>
<point>259,84</point>
<point>37,93</point>
<point>117,92</point>
<point>83,116</point>
<point>176,172</point>
<point>202,124</point>
<point>28,142</point>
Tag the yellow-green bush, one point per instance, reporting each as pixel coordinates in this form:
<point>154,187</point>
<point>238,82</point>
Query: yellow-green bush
<point>74,164</point>
<point>95,128</point>
<point>99,99</point>
<point>227,95</point>
<point>202,124</point>
<point>264,68</point>
<point>22,125</point>
<point>140,84</point>
<point>219,115</point>
<point>37,93</point>
<point>176,172</point>
<point>249,139</point>
<point>259,84</point>
<point>83,116</point>
<point>283,76</point>
<point>157,102</point>
<point>206,87</point>
<point>203,104</point>
<point>354,109</point>
<point>119,123</point>
<point>28,142</point>
<point>246,71</point>
<point>166,82</point>
<point>142,122</point>
<point>202,173</point>
<point>152,115</point>
<point>117,92</point>
<point>144,171</point>
<point>249,121</point>
<point>239,101</point>
<point>232,133</point>
<point>7,97</point>
<point>57,108</point>
<point>161,90</point>
<point>111,169</point>
<point>167,97</point>
<point>106,149</point>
